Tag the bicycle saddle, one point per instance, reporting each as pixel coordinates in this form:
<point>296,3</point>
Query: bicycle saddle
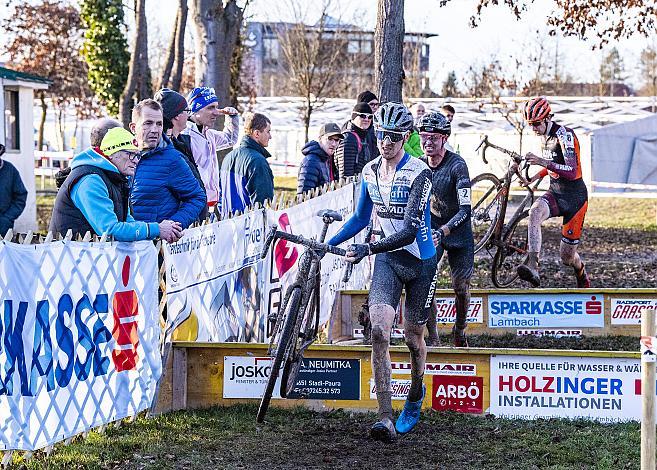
<point>329,214</point>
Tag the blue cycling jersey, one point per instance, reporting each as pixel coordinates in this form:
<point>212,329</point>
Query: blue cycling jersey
<point>401,205</point>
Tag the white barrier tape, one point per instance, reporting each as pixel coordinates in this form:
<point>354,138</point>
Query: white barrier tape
<point>599,184</point>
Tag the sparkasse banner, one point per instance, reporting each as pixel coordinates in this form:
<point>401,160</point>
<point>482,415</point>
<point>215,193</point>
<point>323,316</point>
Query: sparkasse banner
<point>602,389</point>
<point>79,338</point>
<point>546,311</point>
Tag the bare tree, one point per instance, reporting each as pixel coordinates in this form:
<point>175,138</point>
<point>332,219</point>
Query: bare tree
<point>388,50</point>
<point>217,24</point>
<point>414,83</point>
<point>176,51</point>
<point>312,62</point>
<point>138,85</point>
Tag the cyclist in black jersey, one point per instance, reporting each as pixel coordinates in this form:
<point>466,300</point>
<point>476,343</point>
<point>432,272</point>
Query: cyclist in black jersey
<point>398,188</point>
<point>567,196</point>
<point>450,217</point>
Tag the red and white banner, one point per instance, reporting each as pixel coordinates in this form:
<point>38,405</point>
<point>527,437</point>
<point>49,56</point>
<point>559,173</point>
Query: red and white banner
<point>628,311</point>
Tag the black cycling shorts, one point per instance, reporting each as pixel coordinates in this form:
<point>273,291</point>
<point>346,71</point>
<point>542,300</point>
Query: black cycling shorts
<point>460,257</point>
<point>399,269</point>
<point>573,209</point>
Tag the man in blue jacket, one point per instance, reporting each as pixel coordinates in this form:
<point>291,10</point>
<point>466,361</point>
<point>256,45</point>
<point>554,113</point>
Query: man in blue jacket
<point>164,187</point>
<point>94,195</point>
<point>246,177</point>
<point>12,194</point>
<point>315,169</point>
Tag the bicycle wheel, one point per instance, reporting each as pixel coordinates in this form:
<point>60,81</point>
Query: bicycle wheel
<point>511,252</point>
<point>485,207</point>
<point>291,313</point>
<point>304,330</point>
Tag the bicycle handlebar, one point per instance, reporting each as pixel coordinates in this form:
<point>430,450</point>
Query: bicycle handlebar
<point>314,245</point>
<point>486,143</point>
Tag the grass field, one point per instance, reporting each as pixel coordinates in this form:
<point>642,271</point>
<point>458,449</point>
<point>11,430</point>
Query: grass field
<point>227,438</point>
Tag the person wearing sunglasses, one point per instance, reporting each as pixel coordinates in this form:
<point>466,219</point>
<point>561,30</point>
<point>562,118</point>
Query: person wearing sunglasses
<point>396,186</point>
<point>450,218</point>
<point>206,141</point>
<point>370,98</point>
<point>566,197</point>
<point>353,152</point>
<point>94,196</point>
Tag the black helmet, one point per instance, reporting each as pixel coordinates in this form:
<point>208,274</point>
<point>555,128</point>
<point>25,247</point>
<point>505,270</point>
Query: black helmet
<point>435,122</point>
<point>393,117</point>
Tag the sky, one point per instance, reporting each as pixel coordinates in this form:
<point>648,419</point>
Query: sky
<point>457,46</point>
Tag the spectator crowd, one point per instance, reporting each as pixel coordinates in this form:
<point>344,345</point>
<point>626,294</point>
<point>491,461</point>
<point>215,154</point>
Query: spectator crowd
<point>163,173</point>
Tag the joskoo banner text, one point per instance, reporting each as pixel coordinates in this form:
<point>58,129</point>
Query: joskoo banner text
<point>79,343</point>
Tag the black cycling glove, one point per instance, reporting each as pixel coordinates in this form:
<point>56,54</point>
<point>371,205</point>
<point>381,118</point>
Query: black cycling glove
<point>361,249</point>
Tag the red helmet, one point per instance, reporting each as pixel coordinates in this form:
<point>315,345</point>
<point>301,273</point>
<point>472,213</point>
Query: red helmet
<point>537,109</point>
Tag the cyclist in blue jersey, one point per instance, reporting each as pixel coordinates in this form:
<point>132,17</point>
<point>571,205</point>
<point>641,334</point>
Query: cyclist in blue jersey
<point>398,187</point>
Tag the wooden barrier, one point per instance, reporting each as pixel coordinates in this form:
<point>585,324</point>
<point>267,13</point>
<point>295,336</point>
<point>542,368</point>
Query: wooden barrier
<point>619,319</point>
<point>197,378</point>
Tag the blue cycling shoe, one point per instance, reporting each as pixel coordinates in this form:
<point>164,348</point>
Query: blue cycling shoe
<point>410,416</point>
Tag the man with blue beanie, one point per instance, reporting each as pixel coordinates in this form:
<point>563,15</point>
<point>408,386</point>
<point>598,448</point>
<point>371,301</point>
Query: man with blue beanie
<point>206,141</point>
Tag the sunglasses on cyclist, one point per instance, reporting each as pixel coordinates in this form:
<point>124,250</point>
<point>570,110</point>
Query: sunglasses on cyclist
<point>363,115</point>
<point>431,136</point>
<point>394,136</point>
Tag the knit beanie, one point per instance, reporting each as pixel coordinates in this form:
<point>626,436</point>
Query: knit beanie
<point>362,108</point>
<point>200,97</point>
<point>118,139</point>
<point>366,97</point>
<point>173,103</point>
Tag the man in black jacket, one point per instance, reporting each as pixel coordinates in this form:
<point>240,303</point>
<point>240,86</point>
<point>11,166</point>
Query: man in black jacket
<point>315,169</point>
<point>354,151</point>
<point>12,194</point>
<point>176,113</point>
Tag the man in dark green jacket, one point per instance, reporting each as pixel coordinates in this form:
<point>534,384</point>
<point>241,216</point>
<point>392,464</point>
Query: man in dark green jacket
<point>246,177</point>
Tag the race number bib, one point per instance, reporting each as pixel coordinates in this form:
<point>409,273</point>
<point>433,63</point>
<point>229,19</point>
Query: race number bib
<point>464,196</point>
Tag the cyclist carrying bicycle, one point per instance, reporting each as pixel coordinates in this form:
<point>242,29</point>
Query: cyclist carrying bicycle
<point>398,187</point>
<point>450,216</point>
<point>567,196</point>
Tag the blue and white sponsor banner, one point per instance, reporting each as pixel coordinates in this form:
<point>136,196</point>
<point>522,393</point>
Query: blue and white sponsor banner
<point>79,338</point>
<point>546,311</point>
<point>215,281</point>
<point>599,388</point>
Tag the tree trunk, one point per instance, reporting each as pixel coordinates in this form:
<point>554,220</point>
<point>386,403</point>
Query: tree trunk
<point>171,55</point>
<point>389,49</point>
<point>42,121</point>
<point>216,27</point>
<point>135,70</point>
<point>180,46</point>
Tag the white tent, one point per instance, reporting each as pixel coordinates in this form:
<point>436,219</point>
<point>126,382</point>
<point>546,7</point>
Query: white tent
<point>624,156</point>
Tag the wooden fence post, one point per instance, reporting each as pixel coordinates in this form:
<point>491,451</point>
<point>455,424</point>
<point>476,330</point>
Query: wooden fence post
<point>648,396</point>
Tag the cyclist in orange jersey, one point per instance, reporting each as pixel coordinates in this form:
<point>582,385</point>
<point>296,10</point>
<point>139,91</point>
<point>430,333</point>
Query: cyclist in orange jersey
<point>567,196</point>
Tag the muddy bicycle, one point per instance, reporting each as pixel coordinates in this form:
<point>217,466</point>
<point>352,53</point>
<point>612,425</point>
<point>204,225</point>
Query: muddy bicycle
<point>296,324</point>
<point>506,242</point>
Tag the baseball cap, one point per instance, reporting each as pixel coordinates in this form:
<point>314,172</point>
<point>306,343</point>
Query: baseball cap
<point>330,129</point>
<point>118,139</point>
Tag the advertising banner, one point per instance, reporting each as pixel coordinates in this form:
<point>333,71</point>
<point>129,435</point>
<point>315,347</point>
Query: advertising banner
<point>79,338</point>
<point>400,388</point>
<point>447,310</point>
<point>214,281</point>
<point>302,219</point>
<point>319,378</point>
<point>458,393</point>
<point>603,389</point>
<point>546,311</point>
<point>628,311</point>
<point>436,368</point>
